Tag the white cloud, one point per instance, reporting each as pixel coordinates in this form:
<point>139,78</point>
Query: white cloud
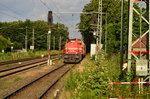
<point>35,10</point>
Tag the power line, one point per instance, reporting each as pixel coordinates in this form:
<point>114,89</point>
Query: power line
<point>45,4</point>
<point>12,10</point>
<point>8,26</point>
<point>59,18</point>
<point>9,15</point>
<point>55,5</point>
<point>48,8</point>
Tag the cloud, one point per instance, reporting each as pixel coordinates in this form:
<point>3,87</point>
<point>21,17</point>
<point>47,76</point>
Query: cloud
<point>35,10</point>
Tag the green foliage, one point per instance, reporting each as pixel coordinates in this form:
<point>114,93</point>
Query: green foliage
<point>13,56</point>
<point>93,81</point>
<point>17,45</point>
<point>72,81</point>
<point>4,43</point>
<point>113,8</point>
<point>129,91</point>
<point>17,30</point>
<point>31,53</point>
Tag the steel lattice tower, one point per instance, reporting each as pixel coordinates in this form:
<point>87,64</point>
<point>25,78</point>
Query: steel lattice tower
<point>131,55</point>
<point>100,24</point>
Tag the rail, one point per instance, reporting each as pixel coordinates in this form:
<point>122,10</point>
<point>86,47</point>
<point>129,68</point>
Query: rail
<point>30,83</point>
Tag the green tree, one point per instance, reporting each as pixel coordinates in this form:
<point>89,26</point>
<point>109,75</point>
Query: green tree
<point>17,31</point>
<point>17,45</point>
<point>4,43</point>
<point>57,31</point>
<point>113,8</point>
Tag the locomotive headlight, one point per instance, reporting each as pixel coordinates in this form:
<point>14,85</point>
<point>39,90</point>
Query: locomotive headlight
<point>49,32</point>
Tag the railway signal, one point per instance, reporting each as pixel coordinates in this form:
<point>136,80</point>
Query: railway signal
<point>94,18</point>
<point>49,48</point>
<point>50,18</point>
<point>50,22</point>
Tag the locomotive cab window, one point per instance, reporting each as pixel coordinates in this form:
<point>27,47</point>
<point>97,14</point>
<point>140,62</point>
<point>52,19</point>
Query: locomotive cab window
<point>72,41</point>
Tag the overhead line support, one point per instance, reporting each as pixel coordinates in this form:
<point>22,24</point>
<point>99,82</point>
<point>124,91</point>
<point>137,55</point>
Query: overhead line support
<point>130,34</point>
<point>121,36</point>
<point>99,24</point>
<point>78,12</point>
<point>145,61</point>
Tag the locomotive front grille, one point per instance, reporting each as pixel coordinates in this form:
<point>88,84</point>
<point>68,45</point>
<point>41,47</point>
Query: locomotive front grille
<point>72,57</point>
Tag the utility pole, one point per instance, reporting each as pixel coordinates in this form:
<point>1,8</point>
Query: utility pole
<point>148,37</point>
<point>121,35</point>
<point>26,42</point>
<point>54,43</point>
<point>33,39</point>
<point>130,34</point>
<point>100,24</point>
<point>60,43</point>
<point>106,34</point>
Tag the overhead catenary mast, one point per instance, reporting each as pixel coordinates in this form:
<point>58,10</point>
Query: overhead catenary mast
<point>99,24</point>
<point>142,63</point>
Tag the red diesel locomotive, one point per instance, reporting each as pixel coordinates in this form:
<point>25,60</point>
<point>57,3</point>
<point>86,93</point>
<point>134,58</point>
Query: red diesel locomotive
<point>73,51</point>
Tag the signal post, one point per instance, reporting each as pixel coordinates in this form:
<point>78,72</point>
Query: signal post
<point>50,21</point>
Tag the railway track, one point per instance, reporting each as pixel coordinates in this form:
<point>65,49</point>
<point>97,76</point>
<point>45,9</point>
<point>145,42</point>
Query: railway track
<point>22,60</point>
<point>15,61</point>
<point>27,67</point>
<point>20,68</point>
<point>40,86</point>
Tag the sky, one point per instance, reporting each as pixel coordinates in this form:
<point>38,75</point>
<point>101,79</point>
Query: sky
<point>12,10</point>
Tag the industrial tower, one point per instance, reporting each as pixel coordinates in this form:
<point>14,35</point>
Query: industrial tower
<point>135,56</point>
<point>99,24</point>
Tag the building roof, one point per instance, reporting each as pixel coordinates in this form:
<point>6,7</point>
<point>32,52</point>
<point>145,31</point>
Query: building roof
<point>141,44</point>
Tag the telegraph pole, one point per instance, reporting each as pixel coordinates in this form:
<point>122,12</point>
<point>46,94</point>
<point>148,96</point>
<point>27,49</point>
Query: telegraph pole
<point>130,34</point>
<point>33,39</point>
<point>106,34</point>
<point>121,36</point>
<point>100,24</point>
<point>60,43</point>
<point>26,42</point>
<point>54,43</point>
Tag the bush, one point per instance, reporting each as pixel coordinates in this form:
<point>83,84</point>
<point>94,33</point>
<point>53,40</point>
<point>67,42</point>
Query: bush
<point>4,43</point>
<point>93,81</point>
<point>13,56</point>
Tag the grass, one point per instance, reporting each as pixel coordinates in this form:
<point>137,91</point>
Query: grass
<point>85,61</point>
<point>59,62</point>
<point>14,56</point>
<point>3,85</point>
<point>6,84</point>
<point>7,66</point>
<point>17,79</point>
